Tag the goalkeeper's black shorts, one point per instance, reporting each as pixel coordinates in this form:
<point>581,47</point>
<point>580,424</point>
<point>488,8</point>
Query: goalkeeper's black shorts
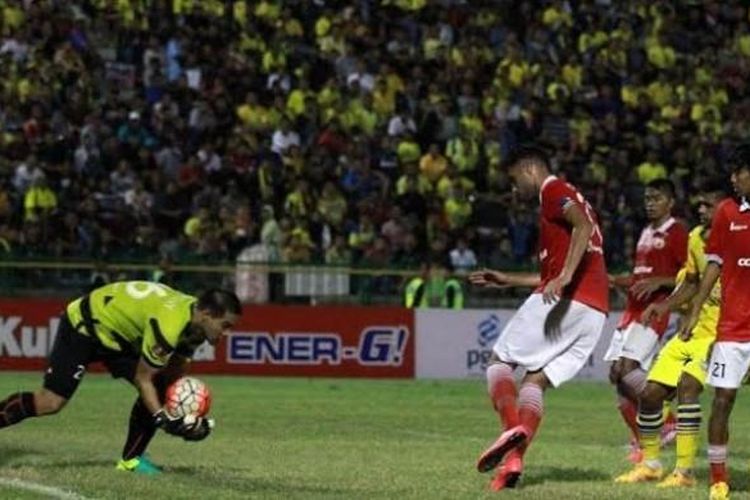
<point>74,351</point>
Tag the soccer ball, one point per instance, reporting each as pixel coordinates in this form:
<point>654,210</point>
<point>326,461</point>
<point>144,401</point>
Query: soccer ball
<point>188,396</point>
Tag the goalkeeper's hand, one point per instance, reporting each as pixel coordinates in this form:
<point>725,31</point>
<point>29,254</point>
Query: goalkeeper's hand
<point>190,428</point>
<point>199,429</point>
<point>175,426</point>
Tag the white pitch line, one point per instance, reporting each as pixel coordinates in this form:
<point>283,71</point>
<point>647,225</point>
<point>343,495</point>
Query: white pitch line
<point>50,491</point>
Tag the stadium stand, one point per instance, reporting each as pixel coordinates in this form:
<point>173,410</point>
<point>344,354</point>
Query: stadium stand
<point>349,132</point>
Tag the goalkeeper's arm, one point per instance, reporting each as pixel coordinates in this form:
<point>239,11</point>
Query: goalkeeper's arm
<point>144,382</point>
<point>193,430</point>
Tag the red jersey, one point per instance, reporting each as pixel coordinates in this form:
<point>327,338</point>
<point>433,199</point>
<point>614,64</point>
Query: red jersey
<point>589,285</point>
<point>662,252</point>
<point>729,246</point>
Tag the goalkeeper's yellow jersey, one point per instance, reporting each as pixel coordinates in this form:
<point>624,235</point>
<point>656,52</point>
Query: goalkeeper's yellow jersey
<point>148,318</point>
<point>696,264</point>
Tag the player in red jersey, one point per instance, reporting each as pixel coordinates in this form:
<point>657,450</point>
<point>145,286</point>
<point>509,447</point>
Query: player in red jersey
<point>728,256</point>
<point>553,333</point>
<point>660,254</point>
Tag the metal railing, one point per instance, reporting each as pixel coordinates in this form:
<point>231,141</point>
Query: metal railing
<point>253,281</point>
<point>259,282</point>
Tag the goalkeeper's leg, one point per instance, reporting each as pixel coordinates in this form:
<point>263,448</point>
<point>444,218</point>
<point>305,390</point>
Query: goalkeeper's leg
<point>16,408</point>
<point>67,364</point>
<point>141,429</point>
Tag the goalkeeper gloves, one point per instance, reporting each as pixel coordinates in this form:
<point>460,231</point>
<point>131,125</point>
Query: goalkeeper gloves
<point>188,427</point>
<point>199,430</point>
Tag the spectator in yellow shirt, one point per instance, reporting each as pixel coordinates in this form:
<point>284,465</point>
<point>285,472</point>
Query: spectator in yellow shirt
<point>572,72</point>
<point>433,164</point>
<point>651,169</point>
<point>457,208</point>
<point>450,179</point>
<point>411,174</point>
<point>196,225</point>
<point>660,54</point>
<point>253,114</point>
<point>660,91</point>
<point>631,91</point>
<point>39,201</point>
<point>295,103</point>
<point>463,151</point>
<point>556,17</point>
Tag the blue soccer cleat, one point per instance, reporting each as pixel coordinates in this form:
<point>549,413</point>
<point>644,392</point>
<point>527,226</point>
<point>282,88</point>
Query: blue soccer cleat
<point>141,465</point>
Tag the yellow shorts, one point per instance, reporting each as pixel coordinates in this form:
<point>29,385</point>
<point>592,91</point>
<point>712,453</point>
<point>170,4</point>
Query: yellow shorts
<point>678,357</point>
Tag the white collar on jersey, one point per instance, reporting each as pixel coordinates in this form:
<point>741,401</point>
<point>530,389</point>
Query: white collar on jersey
<point>665,226</point>
<point>744,205</point>
<point>546,181</point>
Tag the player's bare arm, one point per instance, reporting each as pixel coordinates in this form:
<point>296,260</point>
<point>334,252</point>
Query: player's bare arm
<point>645,287</point>
<point>579,240</point>
<point>624,280</point>
<point>682,294</point>
<point>713,270</point>
<point>501,279</point>
<point>144,382</point>
<point>193,429</point>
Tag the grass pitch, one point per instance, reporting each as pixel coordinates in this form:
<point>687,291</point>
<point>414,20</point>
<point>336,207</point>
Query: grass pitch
<point>353,439</point>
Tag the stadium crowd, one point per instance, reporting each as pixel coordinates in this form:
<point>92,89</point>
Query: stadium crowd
<point>368,132</point>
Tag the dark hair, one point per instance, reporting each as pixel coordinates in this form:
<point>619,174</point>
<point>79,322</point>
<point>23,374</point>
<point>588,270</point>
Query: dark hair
<point>664,185</point>
<point>219,302</point>
<point>739,158</point>
<point>527,152</point>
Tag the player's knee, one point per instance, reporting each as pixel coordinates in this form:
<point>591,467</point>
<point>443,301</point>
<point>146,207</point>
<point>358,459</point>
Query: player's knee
<point>537,378</point>
<point>48,403</point>
<point>652,397</point>
<point>689,389</point>
<point>628,365</point>
<point>614,373</point>
<point>723,402</point>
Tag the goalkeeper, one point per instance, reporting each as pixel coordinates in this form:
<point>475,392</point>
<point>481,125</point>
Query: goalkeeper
<point>143,332</point>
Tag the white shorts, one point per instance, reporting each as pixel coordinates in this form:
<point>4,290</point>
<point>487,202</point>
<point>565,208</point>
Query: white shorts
<point>524,343</point>
<point>728,364</point>
<point>635,341</point>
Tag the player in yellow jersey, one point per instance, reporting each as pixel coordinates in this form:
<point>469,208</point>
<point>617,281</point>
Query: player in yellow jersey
<point>680,366</point>
<point>143,332</point>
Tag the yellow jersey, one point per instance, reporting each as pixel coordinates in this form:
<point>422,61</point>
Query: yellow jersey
<point>696,264</point>
<point>138,316</point>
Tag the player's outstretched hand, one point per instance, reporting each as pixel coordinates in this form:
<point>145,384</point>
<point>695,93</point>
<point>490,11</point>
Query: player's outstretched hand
<point>199,429</point>
<point>553,289</point>
<point>645,287</point>
<point>685,329</point>
<point>654,312</point>
<point>489,278</point>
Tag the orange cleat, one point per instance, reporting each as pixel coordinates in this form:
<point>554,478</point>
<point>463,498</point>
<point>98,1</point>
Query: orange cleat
<point>508,440</point>
<point>509,473</point>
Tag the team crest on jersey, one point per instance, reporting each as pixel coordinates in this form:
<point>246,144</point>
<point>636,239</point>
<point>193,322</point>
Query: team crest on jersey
<point>158,351</point>
<point>659,243</point>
